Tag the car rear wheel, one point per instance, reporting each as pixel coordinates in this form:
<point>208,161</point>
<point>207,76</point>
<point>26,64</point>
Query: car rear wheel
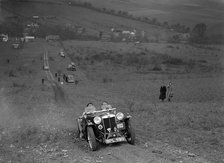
<point>91,138</point>
<point>130,133</point>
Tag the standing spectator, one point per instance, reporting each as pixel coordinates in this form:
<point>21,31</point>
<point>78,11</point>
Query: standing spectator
<point>42,81</point>
<point>162,95</point>
<point>170,91</point>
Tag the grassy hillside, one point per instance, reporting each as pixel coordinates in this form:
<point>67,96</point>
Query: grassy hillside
<point>187,12</point>
<point>92,20</point>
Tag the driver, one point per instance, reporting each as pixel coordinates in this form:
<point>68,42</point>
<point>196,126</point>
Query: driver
<point>89,108</point>
<point>105,106</point>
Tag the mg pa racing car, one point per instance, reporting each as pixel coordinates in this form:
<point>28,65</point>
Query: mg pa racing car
<point>106,126</point>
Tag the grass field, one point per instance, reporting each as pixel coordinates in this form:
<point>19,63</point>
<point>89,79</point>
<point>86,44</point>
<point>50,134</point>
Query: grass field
<point>193,121</point>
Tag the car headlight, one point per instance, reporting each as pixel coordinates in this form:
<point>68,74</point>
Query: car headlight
<point>120,116</point>
<point>97,120</point>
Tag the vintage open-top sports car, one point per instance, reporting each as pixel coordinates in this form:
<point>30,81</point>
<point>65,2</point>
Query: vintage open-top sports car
<point>106,126</point>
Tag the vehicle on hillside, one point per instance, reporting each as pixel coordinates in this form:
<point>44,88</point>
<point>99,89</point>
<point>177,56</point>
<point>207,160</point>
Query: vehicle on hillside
<point>62,53</point>
<point>45,67</point>
<point>71,67</point>
<point>68,78</point>
<point>4,38</point>
<point>106,126</point>
<point>17,45</point>
<point>36,17</point>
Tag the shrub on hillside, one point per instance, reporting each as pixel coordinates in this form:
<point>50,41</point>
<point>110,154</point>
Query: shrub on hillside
<point>107,80</point>
<point>173,61</point>
<point>64,33</point>
<point>217,39</point>
<point>174,39</point>
<point>12,73</point>
<point>157,68</point>
<point>117,59</point>
<point>18,85</point>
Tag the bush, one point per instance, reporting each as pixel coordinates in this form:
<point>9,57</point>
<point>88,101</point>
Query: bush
<point>51,58</point>
<point>12,28</point>
<point>107,80</point>
<point>18,85</point>
<point>64,33</point>
<point>173,61</point>
<point>12,74</point>
<point>157,68</point>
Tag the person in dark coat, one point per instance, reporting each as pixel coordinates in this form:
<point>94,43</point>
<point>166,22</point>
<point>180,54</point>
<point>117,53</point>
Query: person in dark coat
<point>42,81</point>
<point>162,95</point>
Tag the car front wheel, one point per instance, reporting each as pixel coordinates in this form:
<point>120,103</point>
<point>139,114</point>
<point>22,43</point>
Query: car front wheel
<point>91,138</point>
<point>79,130</point>
<point>130,133</point>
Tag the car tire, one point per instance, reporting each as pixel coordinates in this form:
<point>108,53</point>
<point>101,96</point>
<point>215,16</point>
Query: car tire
<point>91,139</point>
<point>130,133</point>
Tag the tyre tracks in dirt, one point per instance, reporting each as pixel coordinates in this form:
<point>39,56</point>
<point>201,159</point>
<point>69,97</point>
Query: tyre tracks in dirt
<point>58,91</point>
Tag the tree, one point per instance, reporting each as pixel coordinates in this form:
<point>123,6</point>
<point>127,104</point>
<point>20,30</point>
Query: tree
<point>199,30</point>
<point>198,34</point>
<point>154,20</point>
<point>165,24</point>
<point>188,30</point>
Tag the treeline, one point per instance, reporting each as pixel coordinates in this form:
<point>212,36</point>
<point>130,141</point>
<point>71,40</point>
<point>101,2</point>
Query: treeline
<point>199,35</point>
<point>152,21</point>
<point>196,33</point>
<point>12,28</point>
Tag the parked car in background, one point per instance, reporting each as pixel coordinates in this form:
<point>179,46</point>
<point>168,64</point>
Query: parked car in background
<point>4,37</point>
<point>17,45</point>
<point>62,53</point>
<point>71,67</point>
<point>68,78</point>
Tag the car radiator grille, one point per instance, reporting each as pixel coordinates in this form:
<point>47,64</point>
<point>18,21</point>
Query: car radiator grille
<point>109,123</point>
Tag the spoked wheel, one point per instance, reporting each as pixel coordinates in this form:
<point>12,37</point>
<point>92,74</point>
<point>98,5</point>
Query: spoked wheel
<point>91,138</point>
<point>130,133</point>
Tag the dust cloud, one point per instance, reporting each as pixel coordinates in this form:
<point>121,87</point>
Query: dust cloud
<point>33,127</point>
